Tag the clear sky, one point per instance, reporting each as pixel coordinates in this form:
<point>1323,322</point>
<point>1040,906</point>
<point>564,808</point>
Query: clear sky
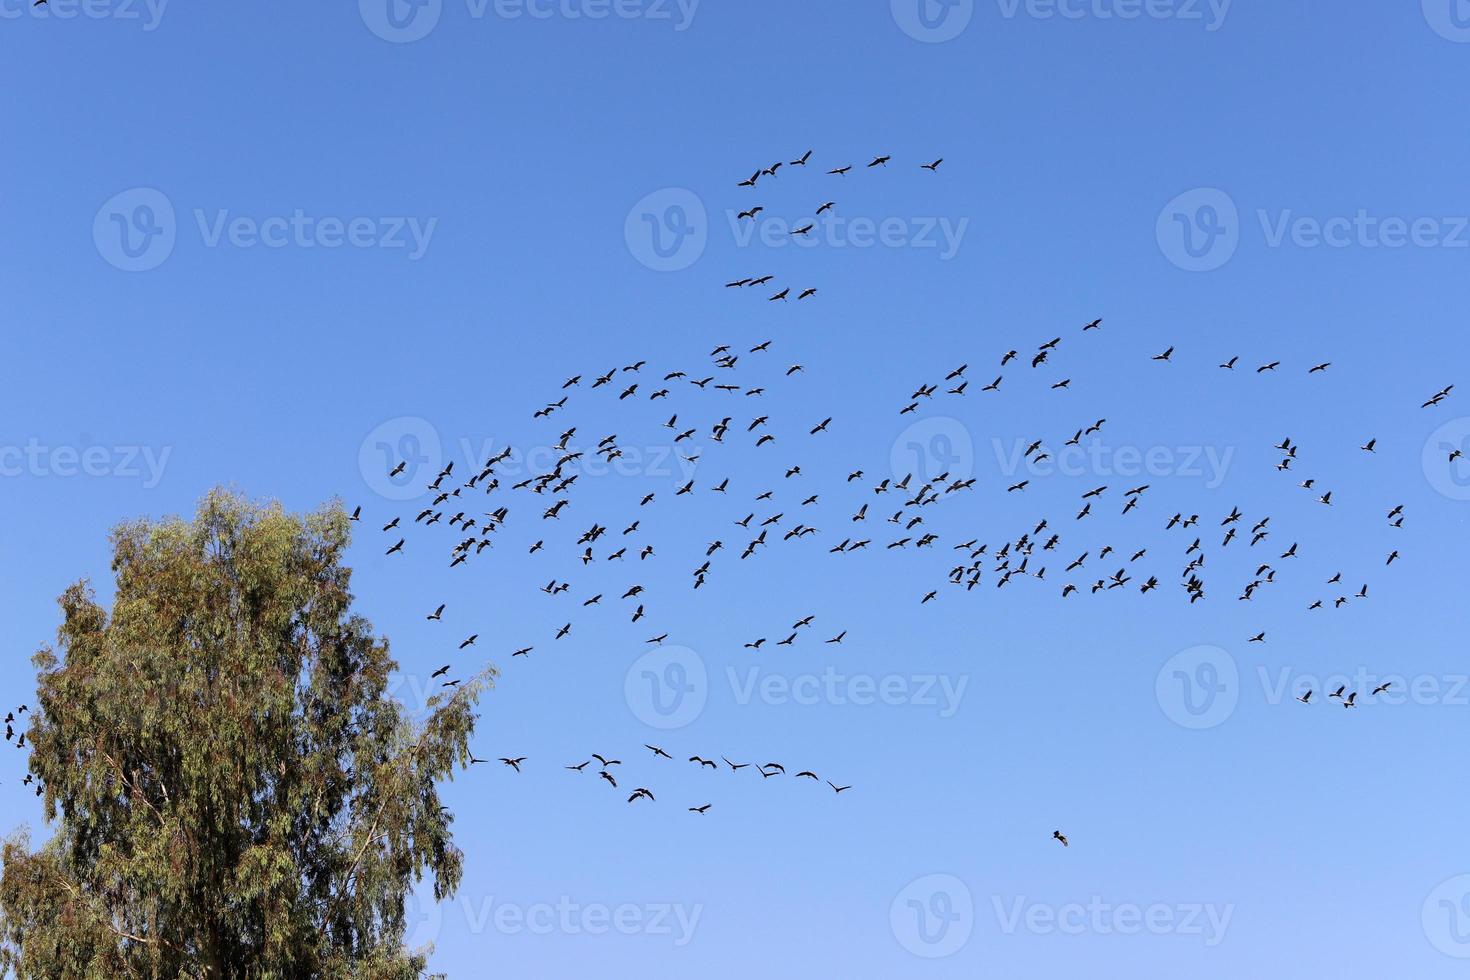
<point>251,244</point>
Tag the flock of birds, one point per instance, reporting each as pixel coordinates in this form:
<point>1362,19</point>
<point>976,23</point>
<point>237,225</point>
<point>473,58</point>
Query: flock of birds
<point>605,766</point>
<point>724,396</point>
<point>20,743</point>
<point>753,214</point>
<point>720,400</point>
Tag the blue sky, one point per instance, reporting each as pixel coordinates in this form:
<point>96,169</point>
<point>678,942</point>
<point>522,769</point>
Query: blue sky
<point>246,246</point>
